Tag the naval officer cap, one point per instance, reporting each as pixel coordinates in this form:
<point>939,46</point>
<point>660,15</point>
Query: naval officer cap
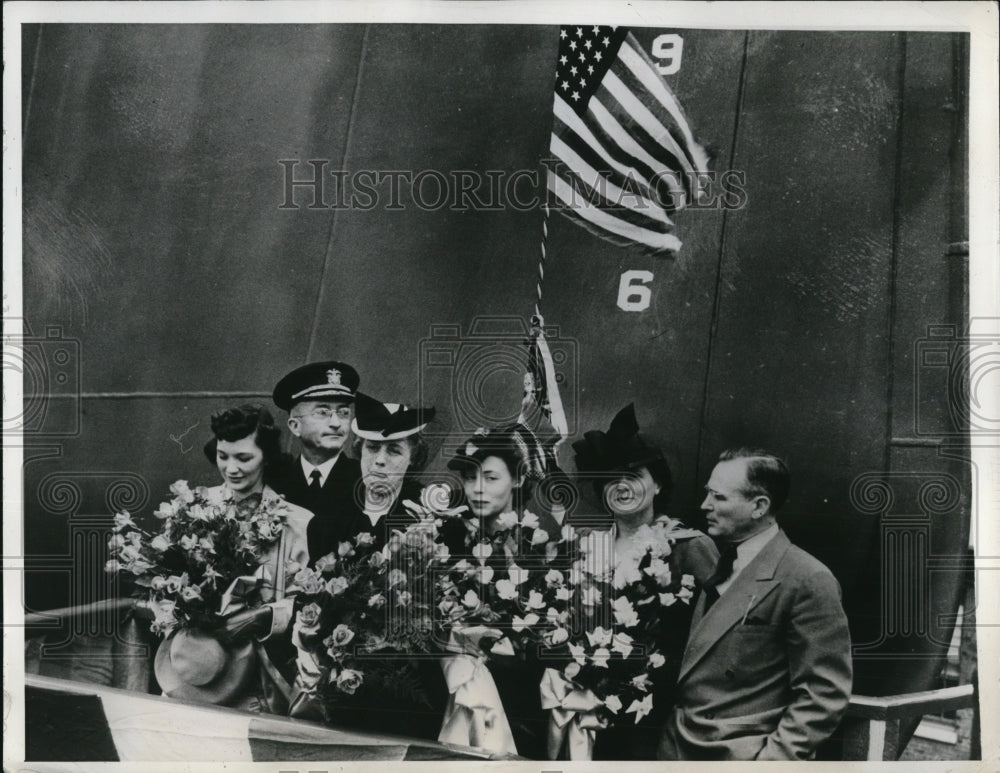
<point>375,420</point>
<point>319,381</point>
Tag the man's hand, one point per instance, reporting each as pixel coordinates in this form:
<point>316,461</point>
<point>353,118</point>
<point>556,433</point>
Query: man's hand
<point>248,624</point>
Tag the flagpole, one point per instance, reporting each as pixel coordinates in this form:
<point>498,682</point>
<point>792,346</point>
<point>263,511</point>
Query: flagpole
<point>541,265</point>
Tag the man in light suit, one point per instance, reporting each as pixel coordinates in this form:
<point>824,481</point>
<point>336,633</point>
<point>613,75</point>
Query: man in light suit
<point>319,398</point>
<point>766,673</point>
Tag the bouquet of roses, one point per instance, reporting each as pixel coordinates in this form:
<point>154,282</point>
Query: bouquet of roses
<point>494,585</point>
<point>488,606</point>
<point>359,611</point>
<point>187,571</point>
<point>601,623</point>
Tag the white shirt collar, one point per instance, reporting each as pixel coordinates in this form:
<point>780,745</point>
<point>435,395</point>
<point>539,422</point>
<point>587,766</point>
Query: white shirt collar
<point>747,551</point>
<point>324,469</point>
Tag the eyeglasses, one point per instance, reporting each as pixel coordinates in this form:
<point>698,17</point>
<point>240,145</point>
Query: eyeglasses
<point>324,413</point>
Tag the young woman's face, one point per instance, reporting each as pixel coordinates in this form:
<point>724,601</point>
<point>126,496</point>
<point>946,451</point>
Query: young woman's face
<point>632,493</point>
<point>489,487</point>
<point>241,463</point>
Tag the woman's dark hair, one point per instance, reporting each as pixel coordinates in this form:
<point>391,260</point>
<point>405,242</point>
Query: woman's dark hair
<point>232,424</point>
<point>517,447</point>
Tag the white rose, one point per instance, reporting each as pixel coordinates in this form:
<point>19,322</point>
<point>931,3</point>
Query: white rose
<point>520,623</point>
<point>482,551</point>
<point>507,520</point>
<point>160,543</point>
<point>336,586</point>
<point>181,490</point>
<point>517,574</point>
<point>591,597</point>
<point>506,589</point>
<point>599,637</point>
<point>625,613</point>
<point>600,657</point>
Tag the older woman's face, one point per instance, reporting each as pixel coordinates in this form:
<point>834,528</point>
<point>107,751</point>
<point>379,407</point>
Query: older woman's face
<point>489,487</point>
<point>632,493</point>
<point>241,463</point>
<point>383,462</point>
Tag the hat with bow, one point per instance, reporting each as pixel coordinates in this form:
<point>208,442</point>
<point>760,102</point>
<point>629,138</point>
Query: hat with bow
<point>600,455</point>
<point>374,420</point>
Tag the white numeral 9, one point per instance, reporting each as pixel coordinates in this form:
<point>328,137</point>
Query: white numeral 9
<point>633,295</point>
<point>669,48</point>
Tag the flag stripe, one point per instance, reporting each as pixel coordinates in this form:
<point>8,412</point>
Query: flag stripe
<point>645,119</point>
<point>624,169</point>
<point>658,139</point>
<point>175,731</point>
<point>625,209</point>
<point>596,230</point>
<point>636,60</point>
<point>662,137</point>
<point>602,184</point>
<point>592,139</point>
<point>658,241</point>
<point>628,143</point>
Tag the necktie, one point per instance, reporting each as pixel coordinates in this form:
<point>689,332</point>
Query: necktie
<point>723,570</point>
<point>314,486</point>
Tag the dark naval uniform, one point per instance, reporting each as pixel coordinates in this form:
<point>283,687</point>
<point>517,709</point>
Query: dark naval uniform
<point>336,506</point>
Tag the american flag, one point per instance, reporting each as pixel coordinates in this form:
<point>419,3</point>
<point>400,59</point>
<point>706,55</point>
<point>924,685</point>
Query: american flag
<point>623,155</point>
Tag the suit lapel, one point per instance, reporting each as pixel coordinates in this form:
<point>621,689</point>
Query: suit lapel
<point>297,477</point>
<point>750,587</point>
<point>339,475</point>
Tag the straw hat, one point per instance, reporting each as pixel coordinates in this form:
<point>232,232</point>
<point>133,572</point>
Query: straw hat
<point>195,666</point>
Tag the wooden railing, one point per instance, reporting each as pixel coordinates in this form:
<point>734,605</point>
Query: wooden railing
<point>871,730</point>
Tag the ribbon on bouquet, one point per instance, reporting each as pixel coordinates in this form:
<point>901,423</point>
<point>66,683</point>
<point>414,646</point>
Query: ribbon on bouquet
<point>474,715</point>
<point>304,702</point>
<point>573,718</point>
<point>239,596</point>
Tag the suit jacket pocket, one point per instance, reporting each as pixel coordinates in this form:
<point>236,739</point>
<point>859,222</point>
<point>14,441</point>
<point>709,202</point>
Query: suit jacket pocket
<point>755,653</point>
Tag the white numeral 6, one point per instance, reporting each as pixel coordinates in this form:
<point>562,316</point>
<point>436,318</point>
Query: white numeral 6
<point>633,294</point>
